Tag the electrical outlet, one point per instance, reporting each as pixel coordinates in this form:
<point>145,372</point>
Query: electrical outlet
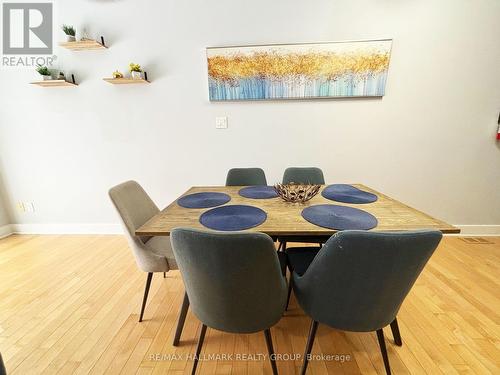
<point>25,206</point>
<point>29,206</point>
<point>221,122</point>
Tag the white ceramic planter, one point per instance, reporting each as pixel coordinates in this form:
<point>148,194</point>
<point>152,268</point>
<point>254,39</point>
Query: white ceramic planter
<point>47,78</point>
<point>136,75</point>
<point>70,38</point>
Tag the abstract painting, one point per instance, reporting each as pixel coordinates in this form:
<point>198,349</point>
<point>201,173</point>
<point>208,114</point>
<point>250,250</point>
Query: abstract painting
<point>299,71</point>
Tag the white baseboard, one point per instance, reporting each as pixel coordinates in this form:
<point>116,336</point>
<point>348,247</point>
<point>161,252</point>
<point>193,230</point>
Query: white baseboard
<point>103,228</point>
<point>77,228</point>
<point>479,230</point>
<point>6,230</point>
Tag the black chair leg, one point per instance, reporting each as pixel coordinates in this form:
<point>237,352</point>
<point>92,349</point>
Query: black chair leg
<point>182,319</point>
<point>282,246</point>
<point>198,348</point>
<point>395,332</point>
<point>383,349</point>
<point>164,275</point>
<point>290,287</point>
<point>146,292</point>
<point>309,345</point>
<point>270,350</point>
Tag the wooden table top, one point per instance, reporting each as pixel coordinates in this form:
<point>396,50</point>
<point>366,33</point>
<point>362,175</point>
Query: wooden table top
<point>284,219</point>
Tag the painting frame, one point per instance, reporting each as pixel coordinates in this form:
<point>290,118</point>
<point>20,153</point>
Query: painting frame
<point>233,71</point>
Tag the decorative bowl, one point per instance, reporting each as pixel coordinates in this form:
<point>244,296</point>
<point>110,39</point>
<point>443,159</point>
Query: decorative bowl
<point>296,193</point>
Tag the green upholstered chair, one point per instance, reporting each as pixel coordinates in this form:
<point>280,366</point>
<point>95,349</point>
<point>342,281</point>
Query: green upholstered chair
<point>152,254</point>
<point>233,281</point>
<point>246,177</point>
<point>358,281</point>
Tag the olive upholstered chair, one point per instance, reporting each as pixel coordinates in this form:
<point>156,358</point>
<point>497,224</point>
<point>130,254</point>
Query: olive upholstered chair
<point>233,280</point>
<point>246,177</point>
<point>152,254</point>
<point>359,280</point>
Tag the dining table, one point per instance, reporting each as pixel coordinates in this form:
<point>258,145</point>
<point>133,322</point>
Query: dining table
<point>284,219</point>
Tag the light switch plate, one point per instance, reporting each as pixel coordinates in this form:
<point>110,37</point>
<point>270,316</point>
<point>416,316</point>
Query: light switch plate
<point>221,122</point>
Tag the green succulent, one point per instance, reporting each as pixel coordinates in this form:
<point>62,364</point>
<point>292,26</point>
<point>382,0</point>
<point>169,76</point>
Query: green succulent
<point>69,30</point>
<point>43,70</point>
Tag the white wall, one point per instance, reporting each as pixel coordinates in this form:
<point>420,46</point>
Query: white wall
<point>429,142</point>
<point>4,216</point>
<point>4,200</point>
<point>5,227</point>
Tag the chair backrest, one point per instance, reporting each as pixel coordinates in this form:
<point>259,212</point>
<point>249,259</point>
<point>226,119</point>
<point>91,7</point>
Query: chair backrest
<point>304,175</point>
<point>359,279</point>
<point>133,204</point>
<point>245,177</point>
<point>135,208</point>
<point>233,280</point>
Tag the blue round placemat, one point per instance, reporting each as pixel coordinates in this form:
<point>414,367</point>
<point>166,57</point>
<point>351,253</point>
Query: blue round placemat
<point>258,192</point>
<point>348,194</point>
<point>233,217</point>
<point>203,200</point>
<point>339,217</point>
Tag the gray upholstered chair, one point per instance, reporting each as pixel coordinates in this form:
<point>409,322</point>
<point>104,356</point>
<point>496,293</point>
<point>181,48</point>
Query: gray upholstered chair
<point>304,175</point>
<point>359,280</point>
<point>233,280</point>
<point>152,254</point>
<point>300,175</point>
<point>298,260</point>
<point>246,177</point>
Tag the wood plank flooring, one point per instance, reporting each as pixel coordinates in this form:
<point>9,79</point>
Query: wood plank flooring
<point>70,305</point>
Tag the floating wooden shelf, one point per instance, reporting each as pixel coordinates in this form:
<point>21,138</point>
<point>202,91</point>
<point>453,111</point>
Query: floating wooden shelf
<point>84,45</point>
<point>125,81</point>
<point>54,83</point>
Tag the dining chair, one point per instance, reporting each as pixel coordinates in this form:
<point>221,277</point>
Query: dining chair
<point>300,175</point>
<point>245,177</point>
<point>358,281</point>
<point>233,281</point>
<point>152,254</point>
<point>303,175</point>
<point>298,260</point>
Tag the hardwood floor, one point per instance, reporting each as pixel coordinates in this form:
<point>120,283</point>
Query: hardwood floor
<point>70,304</point>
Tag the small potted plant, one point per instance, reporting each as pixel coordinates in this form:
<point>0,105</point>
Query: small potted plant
<point>135,70</point>
<point>70,33</point>
<point>44,72</point>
